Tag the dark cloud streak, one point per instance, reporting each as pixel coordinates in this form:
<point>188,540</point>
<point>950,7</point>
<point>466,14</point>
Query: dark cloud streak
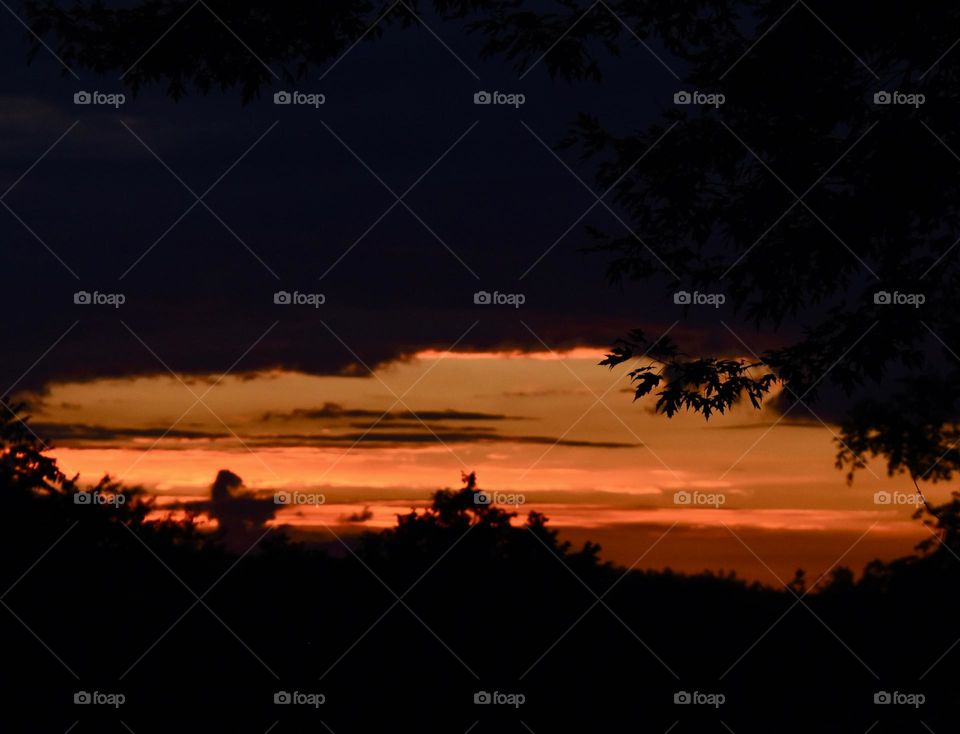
<point>74,434</point>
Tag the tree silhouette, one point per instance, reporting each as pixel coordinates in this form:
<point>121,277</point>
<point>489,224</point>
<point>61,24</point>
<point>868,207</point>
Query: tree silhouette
<point>201,48</point>
<point>398,615</point>
<point>240,515</point>
<point>487,530</point>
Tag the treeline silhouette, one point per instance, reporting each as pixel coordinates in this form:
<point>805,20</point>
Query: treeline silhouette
<point>400,629</point>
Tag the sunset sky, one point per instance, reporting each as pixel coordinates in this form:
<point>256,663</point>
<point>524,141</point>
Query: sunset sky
<point>551,426</point>
<point>479,366</point>
<point>397,200</point>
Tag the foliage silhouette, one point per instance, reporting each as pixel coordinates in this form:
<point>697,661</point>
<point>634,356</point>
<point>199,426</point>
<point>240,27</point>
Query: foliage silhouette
<point>394,626</point>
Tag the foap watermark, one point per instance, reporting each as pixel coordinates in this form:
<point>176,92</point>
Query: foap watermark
<point>500,98</point>
<point>498,498</point>
<point>686,298</point>
<point>486,298</point>
<point>286,298</point>
<point>299,698</point>
<point>898,698</point>
<point>305,99</point>
<point>100,98</point>
<point>298,498</point>
<point>886,298</point>
<point>899,98</point>
<point>86,298</point>
<point>699,698</point>
<point>699,499</point>
<point>897,498</point>
<point>699,98</point>
<point>485,698</point>
<point>98,498</point>
<point>99,698</point>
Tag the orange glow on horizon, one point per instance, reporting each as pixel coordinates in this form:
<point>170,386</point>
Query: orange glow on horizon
<point>552,426</point>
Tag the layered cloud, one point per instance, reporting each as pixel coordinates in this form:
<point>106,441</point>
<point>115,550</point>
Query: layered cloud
<point>76,435</point>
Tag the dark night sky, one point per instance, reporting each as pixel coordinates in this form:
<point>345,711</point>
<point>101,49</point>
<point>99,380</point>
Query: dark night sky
<point>299,199</point>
